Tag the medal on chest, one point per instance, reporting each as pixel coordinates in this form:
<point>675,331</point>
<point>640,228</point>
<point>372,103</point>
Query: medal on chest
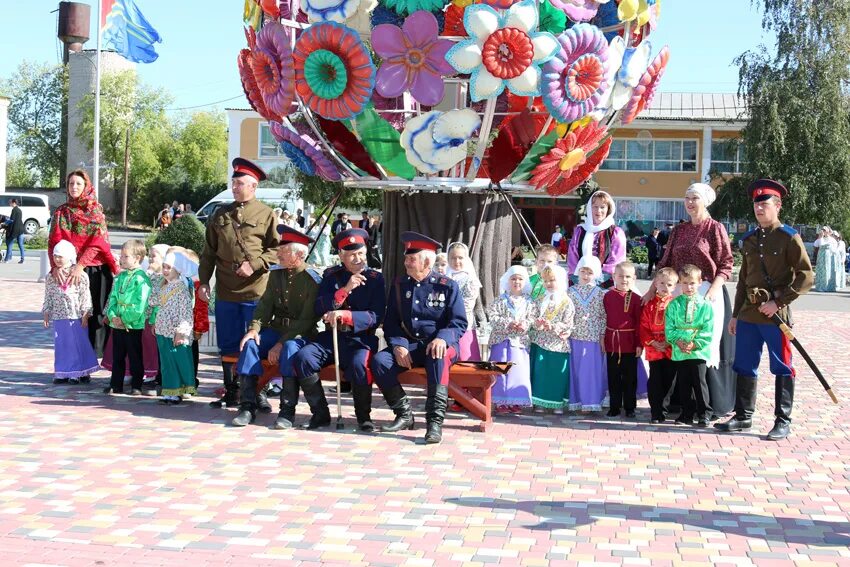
<point>442,299</point>
<point>408,295</point>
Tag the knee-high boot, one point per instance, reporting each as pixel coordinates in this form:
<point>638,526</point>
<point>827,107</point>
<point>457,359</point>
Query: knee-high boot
<point>231,388</point>
<point>248,408</point>
<point>362,394</point>
<point>784,399</point>
<point>288,402</point>
<point>746,389</point>
<point>398,401</point>
<point>314,393</point>
<point>435,412</point>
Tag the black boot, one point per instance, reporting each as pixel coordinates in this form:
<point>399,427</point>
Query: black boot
<point>248,408</point>
<point>746,389</point>
<point>435,412</point>
<point>784,403</point>
<point>400,404</point>
<point>363,406</point>
<point>288,402</point>
<point>227,375</point>
<point>314,393</point>
<point>344,387</point>
<point>262,401</point>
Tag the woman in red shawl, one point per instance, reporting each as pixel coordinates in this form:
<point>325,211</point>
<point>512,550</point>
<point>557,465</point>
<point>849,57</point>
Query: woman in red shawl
<point>81,222</point>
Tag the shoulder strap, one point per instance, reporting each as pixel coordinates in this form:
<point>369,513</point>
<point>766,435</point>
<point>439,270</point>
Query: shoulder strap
<point>239,241</point>
<point>404,328</point>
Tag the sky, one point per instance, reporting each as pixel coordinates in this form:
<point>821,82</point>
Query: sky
<point>201,40</point>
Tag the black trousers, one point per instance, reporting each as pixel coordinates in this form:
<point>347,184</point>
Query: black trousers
<point>662,375</point>
<point>100,284</point>
<point>127,344</point>
<point>693,389</point>
<point>196,357</point>
<point>650,263</point>
<point>622,380</point>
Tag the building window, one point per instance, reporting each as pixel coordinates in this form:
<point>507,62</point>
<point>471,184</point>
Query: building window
<point>727,156</point>
<point>640,216</point>
<point>268,145</point>
<point>652,155</point>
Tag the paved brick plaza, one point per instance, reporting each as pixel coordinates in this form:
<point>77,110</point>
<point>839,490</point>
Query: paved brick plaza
<point>87,479</point>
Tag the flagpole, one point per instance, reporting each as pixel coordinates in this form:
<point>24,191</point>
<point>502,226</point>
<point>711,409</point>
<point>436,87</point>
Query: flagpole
<point>96,172</point>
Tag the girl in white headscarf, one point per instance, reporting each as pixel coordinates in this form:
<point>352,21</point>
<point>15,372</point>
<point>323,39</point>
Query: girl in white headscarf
<point>588,372</point>
<point>552,324</point>
<point>598,236</point>
<point>69,306</point>
<point>462,271</point>
<point>510,319</point>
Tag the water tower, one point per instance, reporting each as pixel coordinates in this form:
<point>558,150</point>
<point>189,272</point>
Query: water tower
<point>74,21</point>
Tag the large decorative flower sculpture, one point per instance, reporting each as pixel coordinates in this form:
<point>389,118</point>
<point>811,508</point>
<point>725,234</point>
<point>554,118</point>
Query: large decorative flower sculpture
<point>552,19</point>
<point>579,10</point>
<point>639,11</point>
<point>334,74</point>
<point>632,68</point>
<point>573,160</point>
<point>436,141</point>
<point>271,65</point>
<point>330,10</point>
<point>304,152</point>
<point>454,21</point>
<point>644,92</point>
<point>406,7</point>
<point>414,58</point>
<point>249,85</point>
<point>616,50</point>
<point>574,80</point>
<point>503,50</point>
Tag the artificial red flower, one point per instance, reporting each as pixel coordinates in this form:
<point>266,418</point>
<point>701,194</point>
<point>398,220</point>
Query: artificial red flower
<point>573,160</point>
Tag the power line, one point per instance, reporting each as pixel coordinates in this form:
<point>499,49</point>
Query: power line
<point>206,103</point>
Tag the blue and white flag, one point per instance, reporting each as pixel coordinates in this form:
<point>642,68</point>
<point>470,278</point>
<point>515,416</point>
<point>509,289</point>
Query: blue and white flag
<point>128,32</point>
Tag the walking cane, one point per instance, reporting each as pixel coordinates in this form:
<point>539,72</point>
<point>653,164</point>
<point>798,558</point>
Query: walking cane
<point>339,423</point>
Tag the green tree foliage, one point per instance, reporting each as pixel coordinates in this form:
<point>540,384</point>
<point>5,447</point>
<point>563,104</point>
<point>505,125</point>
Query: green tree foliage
<point>319,192</point>
<point>202,148</point>
<point>799,112</point>
<point>186,231</point>
<point>37,92</point>
<point>18,173</point>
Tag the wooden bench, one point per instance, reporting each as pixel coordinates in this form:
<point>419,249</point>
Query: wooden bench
<point>471,387</point>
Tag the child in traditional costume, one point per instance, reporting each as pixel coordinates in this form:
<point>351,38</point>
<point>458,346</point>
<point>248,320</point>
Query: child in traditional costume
<point>546,255</point>
<point>69,306</point>
<point>200,317</point>
<point>125,313</point>
<point>551,327</point>
<point>662,370</point>
<point>587,359</point>
<point>622,347</point>
<point>689,325</point>
<point>509,317</point>
<point>462,271</point>
<point>173,323</point>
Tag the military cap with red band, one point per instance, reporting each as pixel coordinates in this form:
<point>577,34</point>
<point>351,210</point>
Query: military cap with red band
<point>289,235</point>
<point>242,166</point>
<point>415,242</point>
<point>762,189</point>
<point>351,239</point>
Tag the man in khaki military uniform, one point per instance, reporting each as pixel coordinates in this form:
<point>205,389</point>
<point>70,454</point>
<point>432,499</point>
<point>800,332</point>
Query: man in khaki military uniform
<point>241,239</point>
<point>284,321</point>
<point>775,271</point>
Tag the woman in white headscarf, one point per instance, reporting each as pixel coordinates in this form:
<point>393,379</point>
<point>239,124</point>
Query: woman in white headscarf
<point>598,236</point>
<point>462,271</point>
<point>825,276</point>
<point>509,316</point>
<point>704,243</point>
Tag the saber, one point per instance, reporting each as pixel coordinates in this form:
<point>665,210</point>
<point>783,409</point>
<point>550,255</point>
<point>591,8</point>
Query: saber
<point>339,424</point>
<point>786,330</point>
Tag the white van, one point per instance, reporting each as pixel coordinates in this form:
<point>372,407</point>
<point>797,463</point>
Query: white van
<point>284,197</point>
<point>34,209</point>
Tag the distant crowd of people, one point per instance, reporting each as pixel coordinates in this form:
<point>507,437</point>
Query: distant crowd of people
<point>171,213</point>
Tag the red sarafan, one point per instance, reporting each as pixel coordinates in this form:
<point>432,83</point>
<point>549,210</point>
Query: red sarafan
<point>573,160</point>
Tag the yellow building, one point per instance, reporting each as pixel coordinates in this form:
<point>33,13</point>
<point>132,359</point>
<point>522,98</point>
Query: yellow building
<point>677,141</point>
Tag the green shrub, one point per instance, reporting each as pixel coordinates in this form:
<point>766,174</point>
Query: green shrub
<point>186,231</point>
<point>639,255</point>
<point>37,241</point>
<point>737,257</point>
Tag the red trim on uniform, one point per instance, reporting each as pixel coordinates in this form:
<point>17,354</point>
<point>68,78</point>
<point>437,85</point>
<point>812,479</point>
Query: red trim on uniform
<point>246,171</point>
<point>420,244</point>
<point>340,296</point>
<point>447,365</point>
<point>295,238</point>
<point>346,318</point>
<point>370,379</point>
<point>786,355</point>
<point>762,191</point>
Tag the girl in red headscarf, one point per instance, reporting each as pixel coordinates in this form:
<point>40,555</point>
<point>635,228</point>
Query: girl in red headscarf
<point>81,222</point>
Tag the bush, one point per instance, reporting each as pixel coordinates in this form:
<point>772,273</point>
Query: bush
<point>639,255</point>
<point>186,231</point>
<point>37,241</point>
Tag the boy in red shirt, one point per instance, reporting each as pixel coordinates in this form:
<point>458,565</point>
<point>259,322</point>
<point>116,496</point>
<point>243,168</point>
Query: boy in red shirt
<point>622,347</point>
<point>662,371</point>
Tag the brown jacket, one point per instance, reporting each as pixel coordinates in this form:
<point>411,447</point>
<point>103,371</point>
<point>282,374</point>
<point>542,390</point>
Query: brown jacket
<point>786,263</point>
<point>235,233</point>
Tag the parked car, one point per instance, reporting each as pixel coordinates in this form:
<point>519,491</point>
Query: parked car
<point>283,197</point>
<point>34,209</point>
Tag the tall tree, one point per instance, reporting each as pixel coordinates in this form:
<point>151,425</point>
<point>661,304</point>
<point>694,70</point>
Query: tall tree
<point>202,148</point>
<point>798,129</point>
<point>18,173</point>
<point>37,91</point>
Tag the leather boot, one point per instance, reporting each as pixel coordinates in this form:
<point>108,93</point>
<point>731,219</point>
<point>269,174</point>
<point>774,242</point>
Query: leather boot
<point>263,404</point>
<point>227,374</point>
<point>435,412</point>
<point>288,402</point>
<point>746,389</point>
<point>248,408</point>
<point>362,394</point>
<point>784,403</point>
<point>398,401</point>
<point>231,394</point>
<point>314,393</point>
